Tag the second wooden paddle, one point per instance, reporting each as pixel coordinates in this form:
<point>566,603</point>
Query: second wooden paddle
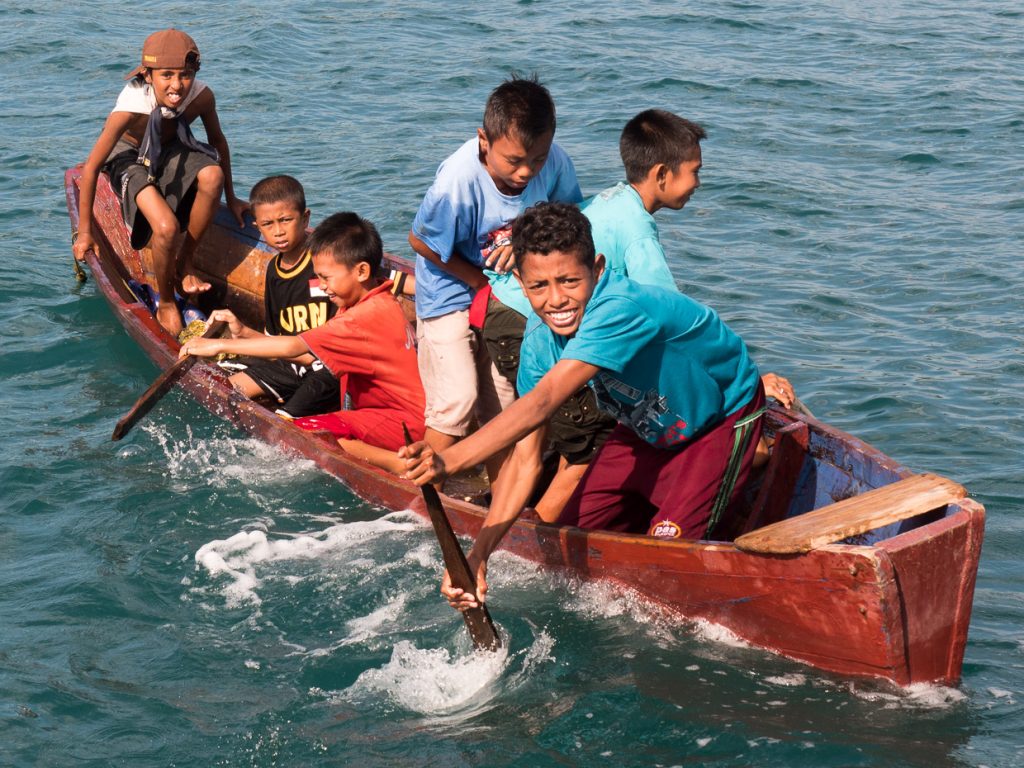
<point>478,620</point>
<point>163,384</point>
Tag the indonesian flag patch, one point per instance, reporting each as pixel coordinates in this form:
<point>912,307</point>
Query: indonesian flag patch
<point>315,290</point>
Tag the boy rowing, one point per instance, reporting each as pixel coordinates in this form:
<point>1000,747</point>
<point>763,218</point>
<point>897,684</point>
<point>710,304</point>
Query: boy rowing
<point>368,344</point>
<point>686,394</point>
<point>166,178</point>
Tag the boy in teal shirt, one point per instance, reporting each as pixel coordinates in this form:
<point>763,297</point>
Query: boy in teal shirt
<point>662,158</point>
<point>661,155</point>
<point>682,385</point>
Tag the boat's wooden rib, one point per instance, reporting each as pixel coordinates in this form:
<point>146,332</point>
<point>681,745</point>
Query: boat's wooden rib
<point>892,602</point>
<point>781,476</point>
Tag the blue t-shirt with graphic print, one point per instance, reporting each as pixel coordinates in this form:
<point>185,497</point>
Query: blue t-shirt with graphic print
<point>670,368</point>
<point>462,211</point>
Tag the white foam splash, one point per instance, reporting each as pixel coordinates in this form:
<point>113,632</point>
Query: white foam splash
<point>239,557</point>
<point>606,600</point>
<point>368,626</point>
<point>222,462</point>
<point>789,680</point>
<point>716,633</point>
<point>432,682</point>
<point>915,696</point>
<point>448,689</point>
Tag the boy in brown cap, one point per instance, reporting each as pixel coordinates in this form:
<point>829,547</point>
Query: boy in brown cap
<point>167,179</point>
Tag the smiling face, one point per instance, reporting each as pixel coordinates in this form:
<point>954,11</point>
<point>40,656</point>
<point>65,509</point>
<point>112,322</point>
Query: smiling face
<point>171,86</point>
<point>283,227</point>
<point>344,285</point>
<point>510,164</point>
<point>558,286</point>
<point>676,186</point>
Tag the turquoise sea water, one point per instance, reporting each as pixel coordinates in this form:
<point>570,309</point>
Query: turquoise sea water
<point>191,598</point>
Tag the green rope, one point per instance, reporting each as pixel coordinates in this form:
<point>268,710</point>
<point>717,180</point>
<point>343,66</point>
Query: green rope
<point>742,430</point>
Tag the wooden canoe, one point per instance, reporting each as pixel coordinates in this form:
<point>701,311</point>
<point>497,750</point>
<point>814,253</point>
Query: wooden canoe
<point>849,561</point>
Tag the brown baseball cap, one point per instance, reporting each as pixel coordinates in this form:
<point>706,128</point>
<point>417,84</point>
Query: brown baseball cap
<point>168,49</point>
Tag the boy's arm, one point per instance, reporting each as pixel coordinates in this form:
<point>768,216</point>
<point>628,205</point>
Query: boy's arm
<point>527,413</point>
<point>236,327</point>
<point>515,484</point>
<point>214,134</point>
<point>257,346</point>
<point>456,266</point>
<point>116,124</point>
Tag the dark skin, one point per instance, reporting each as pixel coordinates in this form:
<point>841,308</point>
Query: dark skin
<point>171,262</point>
<point>558,287</point>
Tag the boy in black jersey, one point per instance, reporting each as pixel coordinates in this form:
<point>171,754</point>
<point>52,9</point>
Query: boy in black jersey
<point>293,304</point>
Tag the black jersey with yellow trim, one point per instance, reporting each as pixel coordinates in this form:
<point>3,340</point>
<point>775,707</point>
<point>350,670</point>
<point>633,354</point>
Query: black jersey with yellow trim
<point>292,298</point>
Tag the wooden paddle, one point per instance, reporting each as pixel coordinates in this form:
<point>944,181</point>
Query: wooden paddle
<point>80,275</point>
<point>799,407</point>
<point>478,620</point>
<point>163,384</point>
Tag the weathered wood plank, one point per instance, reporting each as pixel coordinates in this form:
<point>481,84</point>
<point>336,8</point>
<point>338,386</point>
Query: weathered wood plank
<point>909,497</point>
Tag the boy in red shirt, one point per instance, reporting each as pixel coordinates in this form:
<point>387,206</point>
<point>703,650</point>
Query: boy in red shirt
<point>292,302</point>
<point>368,344</point>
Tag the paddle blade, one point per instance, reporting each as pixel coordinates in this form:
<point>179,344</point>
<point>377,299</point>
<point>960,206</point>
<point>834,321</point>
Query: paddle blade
<point>478,620</point>
<point>163,384</point>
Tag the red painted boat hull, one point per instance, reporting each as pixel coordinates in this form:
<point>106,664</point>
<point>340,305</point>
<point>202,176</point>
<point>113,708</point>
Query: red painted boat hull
<point>897,607</point>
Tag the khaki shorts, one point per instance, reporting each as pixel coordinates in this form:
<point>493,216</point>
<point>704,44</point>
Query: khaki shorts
<point>459,380</point>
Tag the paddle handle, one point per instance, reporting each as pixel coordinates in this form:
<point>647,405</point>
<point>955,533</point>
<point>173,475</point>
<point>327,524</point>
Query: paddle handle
<point>478,620</point>
<point>163,384</point>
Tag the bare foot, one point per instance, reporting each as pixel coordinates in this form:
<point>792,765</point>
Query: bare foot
<point>192,285</point>
<point>169,317</point>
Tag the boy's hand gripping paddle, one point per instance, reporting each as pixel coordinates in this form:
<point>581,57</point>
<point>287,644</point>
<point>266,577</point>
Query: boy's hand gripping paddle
<point>478,620</point>
<point>163,384</point>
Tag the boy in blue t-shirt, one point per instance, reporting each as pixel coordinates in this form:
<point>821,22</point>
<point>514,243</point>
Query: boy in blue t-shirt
<point>682,385</point>
<point>509,165</point>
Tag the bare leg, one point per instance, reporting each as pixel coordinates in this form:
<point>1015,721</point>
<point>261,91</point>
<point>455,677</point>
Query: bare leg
<point>379,457</point>
<point>244,383</point>
<point>209,185</point>
<point>762,454</point>
<point>162,245</point>
<point>495,465</point>
<point>562,485</point>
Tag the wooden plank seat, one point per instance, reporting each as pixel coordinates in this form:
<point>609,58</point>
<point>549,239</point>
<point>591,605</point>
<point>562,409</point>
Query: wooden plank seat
<point>903,499</point>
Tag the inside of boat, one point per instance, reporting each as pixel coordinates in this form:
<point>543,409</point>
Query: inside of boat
<point>811,467</point>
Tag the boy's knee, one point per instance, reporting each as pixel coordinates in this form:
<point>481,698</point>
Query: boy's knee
<point>165,229</point>
<point>211,179</point>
